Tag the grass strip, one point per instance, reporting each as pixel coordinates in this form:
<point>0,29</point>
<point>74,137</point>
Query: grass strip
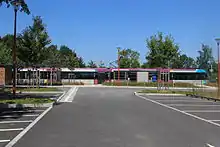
<point>150,84</point>
<point>27,101</point>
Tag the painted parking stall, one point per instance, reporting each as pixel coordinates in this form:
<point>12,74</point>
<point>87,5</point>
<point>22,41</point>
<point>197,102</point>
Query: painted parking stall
<point>202,109</point>
<point>13,121</point>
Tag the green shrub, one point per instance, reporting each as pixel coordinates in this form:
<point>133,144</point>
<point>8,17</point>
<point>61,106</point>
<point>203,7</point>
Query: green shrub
<point>150,84</point>
<point>73,83</point>
<point>27,101</point>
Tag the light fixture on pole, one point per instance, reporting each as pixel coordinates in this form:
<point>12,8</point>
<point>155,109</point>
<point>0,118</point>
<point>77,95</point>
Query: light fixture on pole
<point>218,43</point>
<point>16,5</point>
<point>118,64</point>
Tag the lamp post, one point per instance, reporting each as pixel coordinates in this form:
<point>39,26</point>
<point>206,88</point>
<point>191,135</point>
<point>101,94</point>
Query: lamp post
<point>218,42</point>
<point>118,64</point>
<point>16,6</point>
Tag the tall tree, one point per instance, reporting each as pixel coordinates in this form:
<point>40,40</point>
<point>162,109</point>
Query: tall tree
<point>81,62</point>
<point>145,65</point>
<point>8,40</point>
<point>5,54</point>
<point>53,59</point>
<point>205,58</point>
<point>129,58</point>
<point>92,64</point>
<point>33,43</point>
<point>68,57</point>
<point>101,64</point>
<point>21,3</point>
<point>163,52</point>
<point>185,62</point>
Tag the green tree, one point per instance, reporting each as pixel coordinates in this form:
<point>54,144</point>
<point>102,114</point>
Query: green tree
<point>8,40</point>
<point>163,52</point>
<point>129,58</point>
<point>205,58</point>
<point>81,62</point>
<point>68,57</point>
<point>92,64</point>
<point>53,59</point>
<point>101,64</point>
<point>5,54</point>
<point>21,3</point>
<point>185,62</point>
<point>34,40</point>
<point>145,65</point>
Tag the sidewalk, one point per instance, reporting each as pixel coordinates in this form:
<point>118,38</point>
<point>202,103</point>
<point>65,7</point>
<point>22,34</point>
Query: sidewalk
<point>135,87</point>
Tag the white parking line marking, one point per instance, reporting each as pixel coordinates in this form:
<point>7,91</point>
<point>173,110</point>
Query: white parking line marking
<point>181,100</point>
<point>71,98</point>
<point>166,106</point>
<point>209,145</point>
<point>192,105</point>
<point>69,94</point>
<point>2,141</point>
<point>22,133</point>
<point>61,96</point>
<point>22,121</point>
<point>15,129</point>
<point>9,116</point>
<point>202,111</point>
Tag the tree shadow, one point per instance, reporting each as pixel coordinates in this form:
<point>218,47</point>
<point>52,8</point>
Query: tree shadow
<point>7,112</point>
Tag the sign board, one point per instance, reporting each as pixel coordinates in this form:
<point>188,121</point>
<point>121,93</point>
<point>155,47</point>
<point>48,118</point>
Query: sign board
<point>142,77</point>
<point>154,78</point>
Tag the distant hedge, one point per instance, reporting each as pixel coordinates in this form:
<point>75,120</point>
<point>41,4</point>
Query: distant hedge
<point>150,84</point>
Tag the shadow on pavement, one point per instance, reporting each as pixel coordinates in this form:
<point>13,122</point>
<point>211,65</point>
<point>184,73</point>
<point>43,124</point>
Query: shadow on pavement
<point>14,113</point>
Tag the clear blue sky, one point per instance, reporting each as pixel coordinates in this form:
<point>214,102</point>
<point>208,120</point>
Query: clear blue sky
<point>94,28</point>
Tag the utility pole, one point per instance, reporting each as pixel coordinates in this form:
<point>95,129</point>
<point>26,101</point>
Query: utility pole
<point>16,5</point>
<point>118,65</point>
<point>218,41</point>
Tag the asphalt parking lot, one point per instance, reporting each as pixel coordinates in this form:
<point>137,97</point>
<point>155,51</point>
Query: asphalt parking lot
<point>15,120</point>
<point>204,109</point>
<point>113,117</point>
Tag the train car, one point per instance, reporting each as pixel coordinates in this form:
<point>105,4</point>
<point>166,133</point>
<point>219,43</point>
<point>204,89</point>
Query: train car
<point>196,76</point>
<point>42,76</point>
<point>86,76</point>
<point>99,75</point>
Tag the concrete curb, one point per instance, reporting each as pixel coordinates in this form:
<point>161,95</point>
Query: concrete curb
<point>4,106</point>
<point>52,92</point>
<point>43,105</point>
<point>203,97</point>
<point>161,94</point>
<point>191,95</point>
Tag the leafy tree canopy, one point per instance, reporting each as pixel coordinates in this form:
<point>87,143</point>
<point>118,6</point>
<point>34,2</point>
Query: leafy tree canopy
<point>91,64</point>
<point>205,58</point>
<point>162,51</point>
<point>129,58</point>
<point>23,7</point>
<point>33,43</point>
